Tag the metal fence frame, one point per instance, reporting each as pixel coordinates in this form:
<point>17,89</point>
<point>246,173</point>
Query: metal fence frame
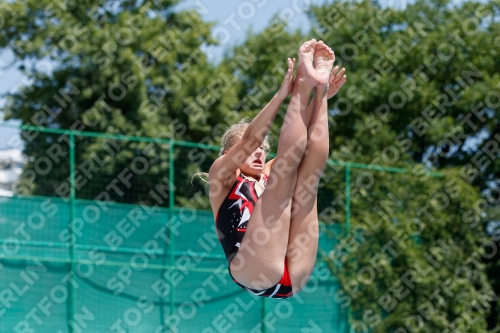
<point>172,144</point>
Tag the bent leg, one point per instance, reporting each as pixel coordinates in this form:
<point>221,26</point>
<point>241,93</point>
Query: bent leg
<point>304,229</point>
<point>259,261</point>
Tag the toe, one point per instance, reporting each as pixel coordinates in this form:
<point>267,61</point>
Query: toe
<point>306,45</point>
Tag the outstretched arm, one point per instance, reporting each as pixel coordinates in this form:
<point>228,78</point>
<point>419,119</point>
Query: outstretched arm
<point>260,125</point>
<point>255,133</point>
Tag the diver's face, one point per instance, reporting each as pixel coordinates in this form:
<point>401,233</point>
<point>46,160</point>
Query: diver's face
<point>254,164</point>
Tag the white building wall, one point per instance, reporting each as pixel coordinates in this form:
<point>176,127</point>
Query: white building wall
<point>11,166</point>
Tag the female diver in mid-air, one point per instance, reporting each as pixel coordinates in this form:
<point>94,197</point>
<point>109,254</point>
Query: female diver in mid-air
<point>270,237</point>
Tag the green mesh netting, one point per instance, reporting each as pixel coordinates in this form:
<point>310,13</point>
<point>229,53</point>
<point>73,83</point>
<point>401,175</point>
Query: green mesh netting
<point>113,237</point>
<point>170,269</point>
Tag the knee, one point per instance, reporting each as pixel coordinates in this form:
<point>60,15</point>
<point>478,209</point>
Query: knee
<point>283,169</point>
<point>310,181</point>
<point>288,160</point>
<point>320,149</point>
<point>282,183</point>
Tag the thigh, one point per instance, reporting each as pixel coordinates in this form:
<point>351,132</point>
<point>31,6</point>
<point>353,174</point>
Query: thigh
<point>258,264</point>
<point>303,245</point>
<point>304,230</point>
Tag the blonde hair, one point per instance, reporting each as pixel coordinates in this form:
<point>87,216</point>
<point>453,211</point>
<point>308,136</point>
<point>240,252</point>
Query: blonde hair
<point>230,137</point>
<point>234,134</point>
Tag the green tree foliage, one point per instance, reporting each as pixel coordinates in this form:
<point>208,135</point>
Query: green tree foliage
<point>413,258</point>
<point>128,67</point>
<point>423,87</point>
<point>429,64</point>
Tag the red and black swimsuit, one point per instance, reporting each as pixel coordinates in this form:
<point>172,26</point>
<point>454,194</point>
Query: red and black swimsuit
<point>231,221</point>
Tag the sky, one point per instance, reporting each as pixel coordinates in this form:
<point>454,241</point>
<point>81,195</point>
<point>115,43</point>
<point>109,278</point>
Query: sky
<point>233,20</point>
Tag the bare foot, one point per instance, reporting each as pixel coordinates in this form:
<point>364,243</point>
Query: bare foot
<point>305,69</point>
<point>323,62</point>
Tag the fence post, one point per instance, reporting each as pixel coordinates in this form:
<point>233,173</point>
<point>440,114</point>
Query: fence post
<point>348,197</point>
<point>171,235</point>
<point>348,222</point>
<point>72,213</point>
<point>263,314</point>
